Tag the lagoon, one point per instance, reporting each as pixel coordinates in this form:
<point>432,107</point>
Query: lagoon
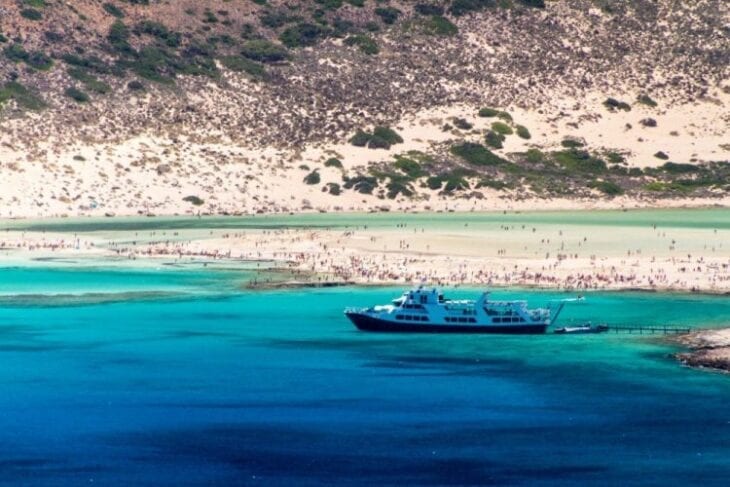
<point>206,383</point>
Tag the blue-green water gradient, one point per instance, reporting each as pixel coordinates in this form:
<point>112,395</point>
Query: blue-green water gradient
<point>203,383</point>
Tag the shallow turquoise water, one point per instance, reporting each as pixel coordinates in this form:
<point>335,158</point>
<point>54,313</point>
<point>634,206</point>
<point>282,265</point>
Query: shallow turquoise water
<point>711,218</point>
<point>206,384</point>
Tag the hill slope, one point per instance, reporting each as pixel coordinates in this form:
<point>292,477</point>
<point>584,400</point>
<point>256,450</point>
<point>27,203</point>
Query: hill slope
<point>240,106</point>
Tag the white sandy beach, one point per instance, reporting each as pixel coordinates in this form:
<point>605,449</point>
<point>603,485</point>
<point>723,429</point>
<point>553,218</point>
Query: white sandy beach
<point>151,174</point>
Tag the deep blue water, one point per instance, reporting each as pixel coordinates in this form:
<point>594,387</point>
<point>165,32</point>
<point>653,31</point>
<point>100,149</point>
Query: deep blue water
<point>206,384</point>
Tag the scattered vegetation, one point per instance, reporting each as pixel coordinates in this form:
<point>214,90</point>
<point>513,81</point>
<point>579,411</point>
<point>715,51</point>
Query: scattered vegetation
<point>523,132</point>
<point>494,140</point>
<point>312,178</point>
<point>35,59</point>
<point>363,42</point>
<point>488,112</point>
<point>606,187</point>
<point>502,128</point>
<point>572,143</point>
<point>614,105</point>
<point>381,137</point>
<point>264,51</point>
<point>76,94</point>
<point>462,123</point>
<point>333,162</point>
<point>645,99</point>
<point>23,97</point>
<point>476,154</point>
<point>31,14</point>
<point>194,200</point>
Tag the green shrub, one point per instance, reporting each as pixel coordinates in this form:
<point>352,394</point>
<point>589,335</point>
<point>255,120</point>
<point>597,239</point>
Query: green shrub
<point>662,187</point>
<point>194,200</point>
<point>677,168</point>
<point>455,183</point>
<point>523,132</point>
<point>334,189</point>
<point>398,187</point>
<point>606,187</point>
<point>383,137</point>
<point>534,156</point>
<point>264,51</point>
<point>572,143</point>
<point>333,162</point>
<point>360,139</point>
<point>615,157</point>
<point>463,124</point>
<point>388,15</point>
<point>492,183</point>
<point>645,99</point>
<point>614,104</point>
<point>24,98</point>
<point>502,128</point>
<point>302,35</point>
<point>312,178</point>
<point>158,31</point>
<point>494,140</point>
<point>118,37</point>
<point>243,65</point>
<point>488,112</point>
<point>429,9</point>
<point>580,161</point>
<point>439,26</point>
<point>476,154</point>
<point>113,10</point>
<point>364,43</point>
<point>505,116</point>
<point>362,184</point>
<point>89,81</point>
<point>91,63</point>
<point>31,14</point>
<point>36,59</point>
<point>435,182</point>
<point>463,7</point>
<point>409,167</point>
<point>135,85</point>
<point>76,95</point>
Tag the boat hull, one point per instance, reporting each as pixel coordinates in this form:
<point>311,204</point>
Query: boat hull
<point>369,323</point>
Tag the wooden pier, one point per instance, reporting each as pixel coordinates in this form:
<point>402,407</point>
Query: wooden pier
<point>650,330</point>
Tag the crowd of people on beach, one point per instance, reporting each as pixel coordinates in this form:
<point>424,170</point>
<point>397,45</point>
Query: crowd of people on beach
<point>385,256</point>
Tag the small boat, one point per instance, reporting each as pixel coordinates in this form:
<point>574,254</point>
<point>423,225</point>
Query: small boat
<point>424,310</point>
<point>582,329</point>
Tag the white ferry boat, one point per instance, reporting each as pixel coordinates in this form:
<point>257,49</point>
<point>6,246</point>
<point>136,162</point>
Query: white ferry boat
<point>428,311</point>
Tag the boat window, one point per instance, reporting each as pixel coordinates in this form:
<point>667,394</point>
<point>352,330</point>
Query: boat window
<point>398,317</point>
<point>424,318</point>
<point>462,320</point>
<point>472,320</point>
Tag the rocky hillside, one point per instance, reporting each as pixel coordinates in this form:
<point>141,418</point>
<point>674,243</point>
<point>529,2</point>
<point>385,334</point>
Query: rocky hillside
<point>292,75</point>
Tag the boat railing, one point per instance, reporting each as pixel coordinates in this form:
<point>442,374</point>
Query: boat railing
<point>357,310</point>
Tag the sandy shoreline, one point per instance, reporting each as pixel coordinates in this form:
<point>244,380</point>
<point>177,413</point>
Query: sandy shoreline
<point>551,255</point>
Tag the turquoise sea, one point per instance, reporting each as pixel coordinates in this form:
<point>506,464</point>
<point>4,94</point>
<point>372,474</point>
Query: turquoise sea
<point>178,377</point>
